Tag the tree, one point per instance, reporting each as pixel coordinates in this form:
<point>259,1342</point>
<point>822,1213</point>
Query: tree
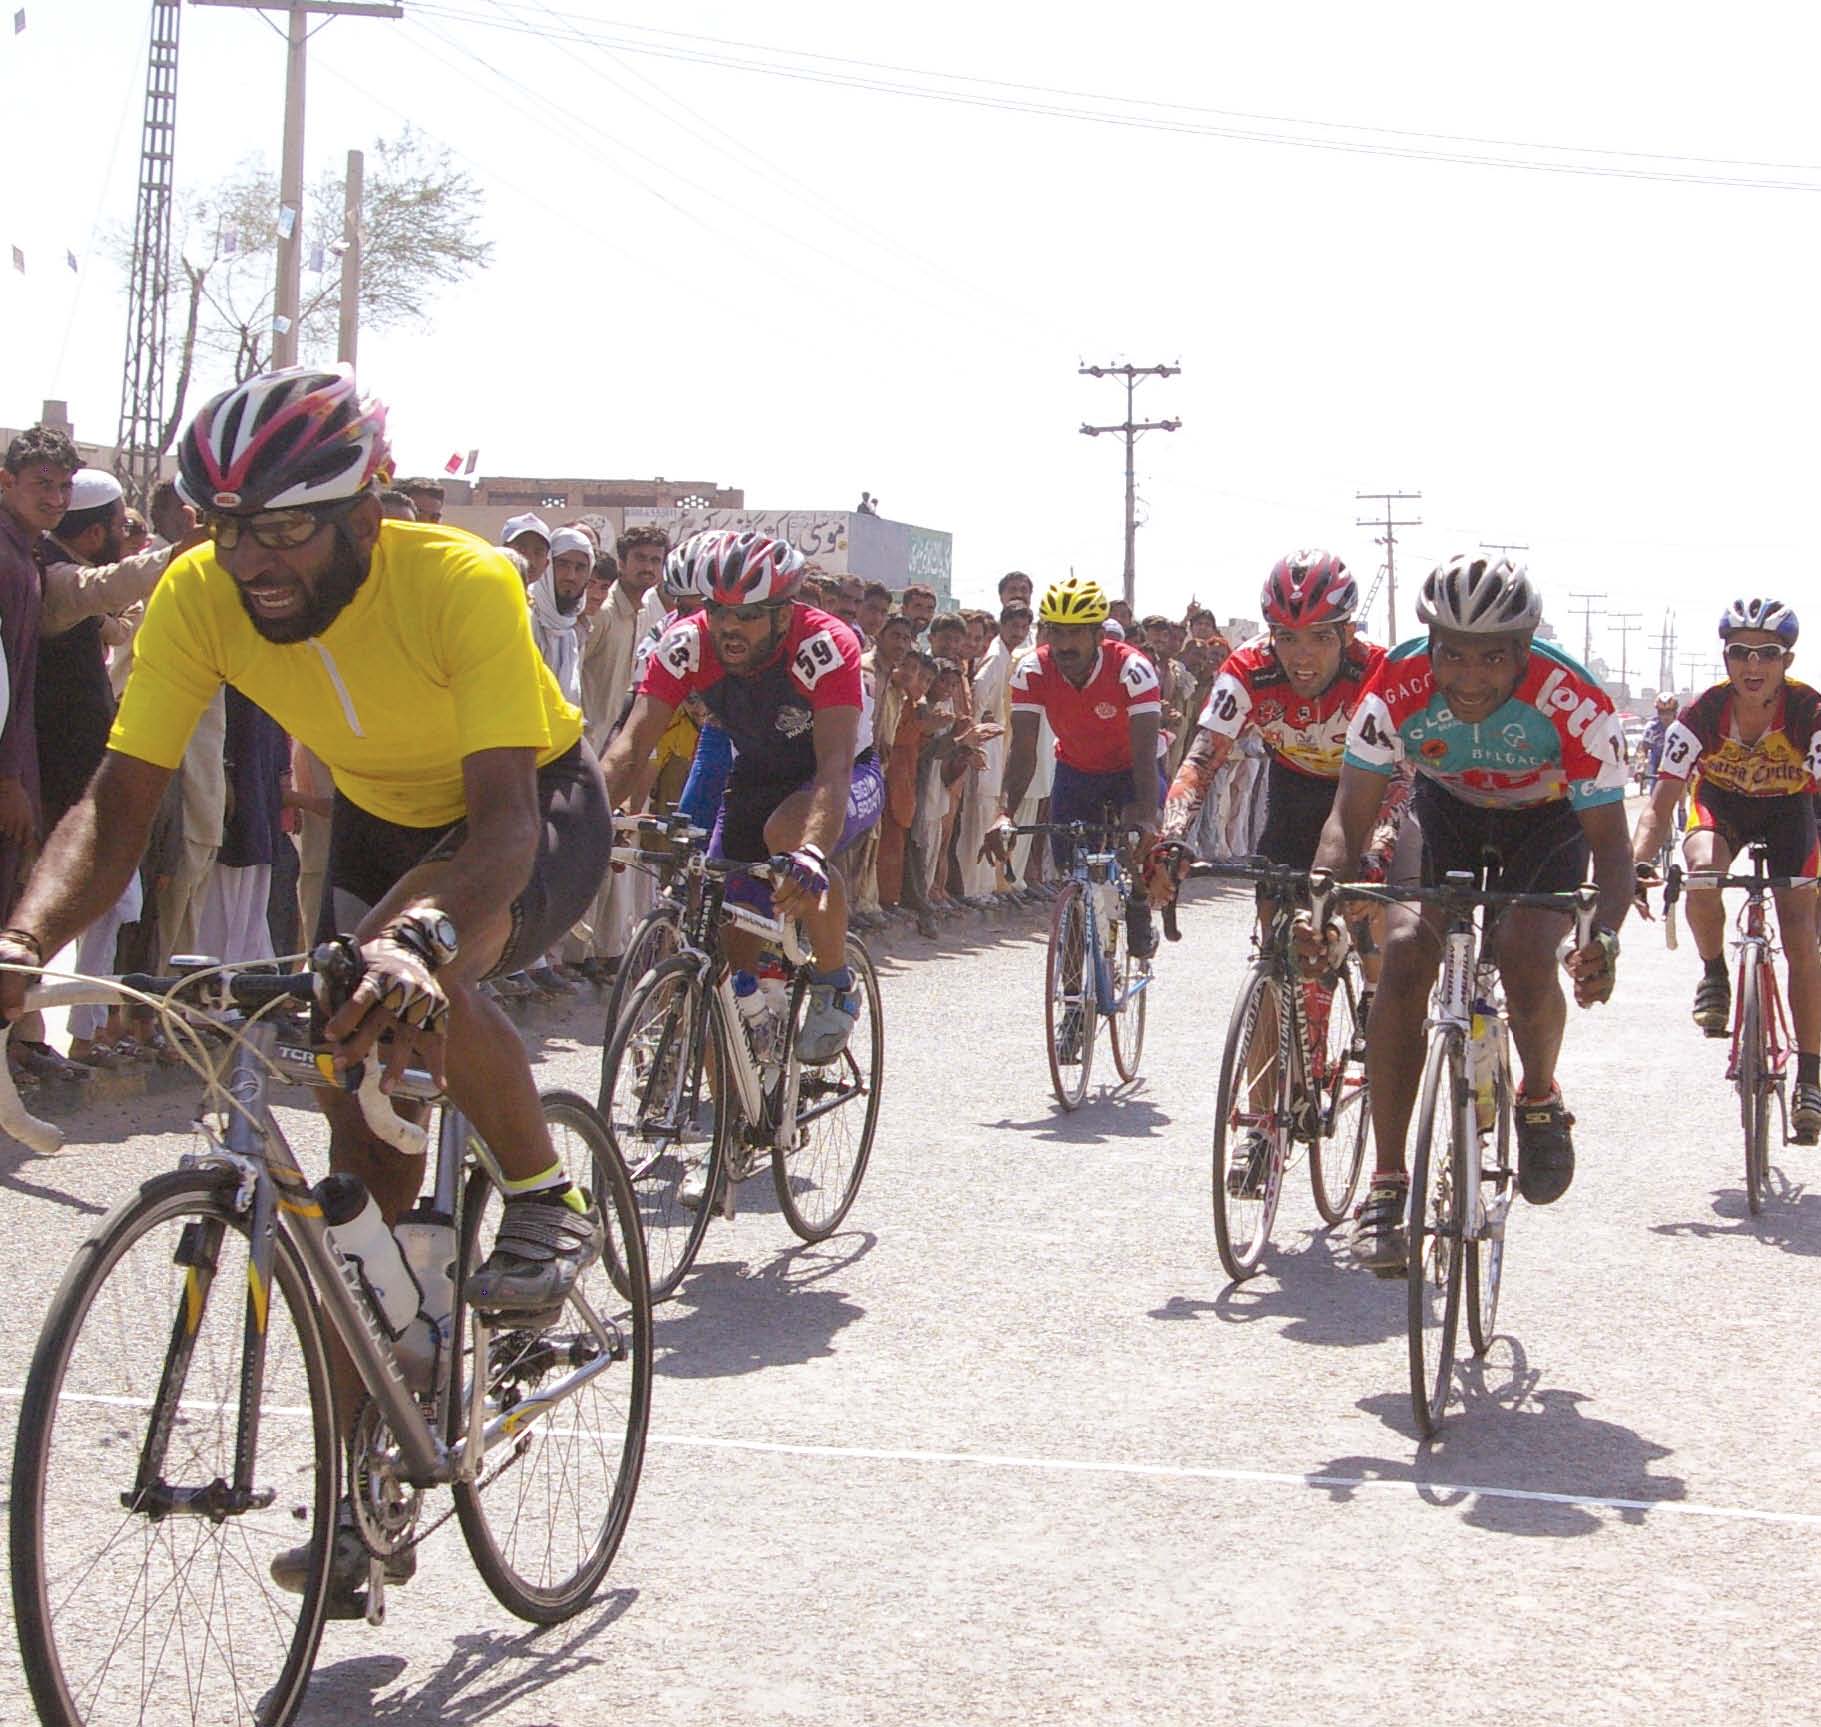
<point>419,219</point>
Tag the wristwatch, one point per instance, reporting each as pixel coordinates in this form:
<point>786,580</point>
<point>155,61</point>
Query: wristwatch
<point>428,933</point>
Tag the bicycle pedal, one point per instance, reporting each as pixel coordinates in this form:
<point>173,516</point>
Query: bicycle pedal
<point>375,1614</point>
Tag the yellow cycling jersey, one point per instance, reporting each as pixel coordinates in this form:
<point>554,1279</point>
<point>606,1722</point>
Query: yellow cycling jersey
<point>431,661</point>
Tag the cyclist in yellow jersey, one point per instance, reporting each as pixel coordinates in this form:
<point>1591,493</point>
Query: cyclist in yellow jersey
<point>470,826</point>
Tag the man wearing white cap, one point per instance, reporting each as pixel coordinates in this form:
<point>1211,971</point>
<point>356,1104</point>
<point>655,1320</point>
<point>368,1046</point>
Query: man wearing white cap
<point>556,608</point>
<point>530,538</point>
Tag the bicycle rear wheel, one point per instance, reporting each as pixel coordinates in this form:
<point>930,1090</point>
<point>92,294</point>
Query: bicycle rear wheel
<point>1338,1152</point>
<point>1069,1010</point>
<point>132,1603</point>
<point>654,939</point>
<point>1498,1189</point>
<point>1251,1099</point>
<point>545,1518</point>
<point>1126,1026</point>
<point>668,1122</point>
<point>1438,1175</point>
<point>837,1113</point>
<point>1754,1082</point>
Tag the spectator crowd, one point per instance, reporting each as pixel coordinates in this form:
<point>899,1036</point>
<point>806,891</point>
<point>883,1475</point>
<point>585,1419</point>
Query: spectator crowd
<point>235,866</point>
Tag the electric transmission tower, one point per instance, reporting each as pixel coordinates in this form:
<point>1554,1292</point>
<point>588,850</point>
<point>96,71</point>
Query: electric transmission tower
<point>148,292</point>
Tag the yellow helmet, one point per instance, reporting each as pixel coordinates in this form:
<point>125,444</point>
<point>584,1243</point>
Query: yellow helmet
<point>1073,601</point>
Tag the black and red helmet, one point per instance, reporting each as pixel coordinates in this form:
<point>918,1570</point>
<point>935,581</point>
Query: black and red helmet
<point>1311,587</point>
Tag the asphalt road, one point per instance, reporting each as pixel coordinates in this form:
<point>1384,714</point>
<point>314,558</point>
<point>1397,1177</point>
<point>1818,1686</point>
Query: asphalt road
<point>1010,1450</point>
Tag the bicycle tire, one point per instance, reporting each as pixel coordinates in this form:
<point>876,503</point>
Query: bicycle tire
<point>517,1356</point>
<point>657,1046</point>
<point>94,1445</point>
<point>1068,954</point>
<point>1337,1155</point>
<point>1485,1268</point>
<point>824,1164</point>
<point>1125,1028</point>
<point>1242,1225</point>
<point>1754,1082</point>
<point>654,938</point>
<point>1437,1188</point>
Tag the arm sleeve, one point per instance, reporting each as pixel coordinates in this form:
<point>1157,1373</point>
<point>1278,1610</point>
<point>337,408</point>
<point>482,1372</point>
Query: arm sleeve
<point>1373,742</point>
<point>1596,763</point>
<point>73,592</point>
<point>1138,679</point>
<point>826,667</point>
<point>1027,686</point>
<point>673,666</point>
<point>1681,750</point>
<point>176,674</point>
<point>486,651</point>
<point>1229,704</point>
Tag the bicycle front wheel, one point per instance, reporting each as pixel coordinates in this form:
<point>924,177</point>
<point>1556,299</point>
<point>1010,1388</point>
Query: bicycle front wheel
<point>1249,1113</point>
<point>1070,1011</point>
<point>1754,1082</point>
<point>1126,1023</point>
<point>142,1591</point>
<point>1498,1188</point>
<point>654,939</point>
<point>669,1116</point>
<point>545,1517</point>
<point>1438,1178</point>
<point>1338,1152</point>
<point>818,1178</point>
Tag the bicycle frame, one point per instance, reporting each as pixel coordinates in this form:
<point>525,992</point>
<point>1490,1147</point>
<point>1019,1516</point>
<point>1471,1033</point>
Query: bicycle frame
<point>1754,934</point>
<point>1464,973</point>
<point>1103,877</point>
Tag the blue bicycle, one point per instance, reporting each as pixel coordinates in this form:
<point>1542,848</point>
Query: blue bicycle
<point>1090,970</point>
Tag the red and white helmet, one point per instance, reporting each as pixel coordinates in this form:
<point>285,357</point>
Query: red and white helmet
<point>282,441</point>
<point>733,569</point>
<point>1311,587</point>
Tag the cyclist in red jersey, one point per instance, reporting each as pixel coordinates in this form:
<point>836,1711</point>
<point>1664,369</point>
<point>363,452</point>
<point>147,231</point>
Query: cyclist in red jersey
<point>1748,752</point>
<point>1103,703</point>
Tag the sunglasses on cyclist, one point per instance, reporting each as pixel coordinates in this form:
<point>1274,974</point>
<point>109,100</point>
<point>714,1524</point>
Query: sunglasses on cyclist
<point>740,614</point>
<point>276,530</point>
<point>1743,654</point>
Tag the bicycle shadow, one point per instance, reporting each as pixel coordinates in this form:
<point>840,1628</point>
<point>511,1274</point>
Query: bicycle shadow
<point>1521,1461</point>
<point>731,1317</point>
<point>1315,1296</point>
<point>482,1673</point>
<point>1790,1220</point>
<point>1114,1112</point>
<point>14,1158</point>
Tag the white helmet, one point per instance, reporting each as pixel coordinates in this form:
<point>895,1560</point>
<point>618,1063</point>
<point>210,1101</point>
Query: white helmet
<point>1479,596</point>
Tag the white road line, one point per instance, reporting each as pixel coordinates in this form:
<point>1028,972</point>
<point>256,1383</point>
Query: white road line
<point>1265,1477</point>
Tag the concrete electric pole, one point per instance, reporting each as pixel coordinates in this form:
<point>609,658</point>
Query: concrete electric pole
<point>1665,646</point>
<point>1130,430</point>
<point>1627,624</point>
<point>1589,607</point>
<point>288,298</point>
<point>1390,524</point>
<point>348,338</point>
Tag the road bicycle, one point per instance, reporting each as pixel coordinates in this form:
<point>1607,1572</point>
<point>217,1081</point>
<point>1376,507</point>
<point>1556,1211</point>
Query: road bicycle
<point>1463,1176</point>
<point>696,1099</point>
<point>654,937</point>
<point>1757,1061</point>
<point>1292,1073</point>
<point>1090,970</point>
<point>178,1429</point>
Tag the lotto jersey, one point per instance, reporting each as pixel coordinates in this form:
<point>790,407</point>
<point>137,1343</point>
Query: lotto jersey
<point>1308,737</point>
<point>1557,737</point>
<point>430,661</point>
<point>1704,743</point>
<point>768,714</point>
<point>1092,724</point>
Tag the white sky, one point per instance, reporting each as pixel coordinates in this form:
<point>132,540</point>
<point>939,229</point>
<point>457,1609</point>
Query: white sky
<point>804,289</point>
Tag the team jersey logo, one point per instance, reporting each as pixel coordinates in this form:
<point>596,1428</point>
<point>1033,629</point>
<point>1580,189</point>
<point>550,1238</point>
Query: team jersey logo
<point>794,722</point>
<point>816,657</point>
<point>1105,711</point>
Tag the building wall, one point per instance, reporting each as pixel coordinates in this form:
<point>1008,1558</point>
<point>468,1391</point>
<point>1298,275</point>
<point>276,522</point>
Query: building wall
<point>603,503</point>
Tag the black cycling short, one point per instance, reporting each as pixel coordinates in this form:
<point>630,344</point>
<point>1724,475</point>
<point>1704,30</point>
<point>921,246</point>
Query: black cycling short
<point>1296,810</point>
<point>368,855</point>
<point>1537,848</point>
<point>1786,824</point>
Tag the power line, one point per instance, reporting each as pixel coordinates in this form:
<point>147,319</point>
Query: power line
<point>1588,609</point>
<point>1131,430</point>
<point>1390,524</point>
<point>1627,624</point>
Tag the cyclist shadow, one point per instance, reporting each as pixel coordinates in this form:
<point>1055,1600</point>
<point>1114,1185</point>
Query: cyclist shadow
<point>1519,1460</point>
<point>1315,1296</point>
<point>14,1158</point>
<point>1790,1220</point>
<point>731,1317</point>
<point>483,1673</point>
<point>1114,1112</point>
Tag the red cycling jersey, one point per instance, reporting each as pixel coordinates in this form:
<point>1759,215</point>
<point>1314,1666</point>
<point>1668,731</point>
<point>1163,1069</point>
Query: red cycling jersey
<point>1784,761</point>
<point>1306,736</point>
<point>1092,724</point>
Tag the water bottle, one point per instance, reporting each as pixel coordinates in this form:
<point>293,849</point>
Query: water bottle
<point>774,984</point>
<point>427,1239</point>
<point>1480,1064</point>
<point>754,1014</point>
<point>360,1233</point>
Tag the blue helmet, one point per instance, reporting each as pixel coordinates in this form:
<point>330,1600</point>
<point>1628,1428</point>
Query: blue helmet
<point>1770,615</point>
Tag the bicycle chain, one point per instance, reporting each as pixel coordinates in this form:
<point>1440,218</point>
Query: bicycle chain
<point>430,1529</point>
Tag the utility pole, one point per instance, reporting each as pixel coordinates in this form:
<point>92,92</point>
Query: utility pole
<point>1505,546</point>
<point>1588,608</point>
<point>1626,623</point>
<point>288,298</point>
<point>1130,430</point>
<point>349,337</point>
<point>1690,664</point>
<point>1665,646</point>
<point>1390,524</point>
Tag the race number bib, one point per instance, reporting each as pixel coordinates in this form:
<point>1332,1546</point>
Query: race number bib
<point>1227,706</point>
<point>816,657</point>
<point>1139,677</point>
<point>1680,749</point>
<point>679,651</point>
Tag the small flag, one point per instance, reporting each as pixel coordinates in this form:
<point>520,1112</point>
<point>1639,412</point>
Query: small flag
<point>70,259</point>
<point>316,259</point>
<point>230,242</point>
<point>473,457</point>
<point>454,464</point>
<point>287,220</point>
<point>18,20</point>
<point>280,323</point>
<point>18,260</point>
